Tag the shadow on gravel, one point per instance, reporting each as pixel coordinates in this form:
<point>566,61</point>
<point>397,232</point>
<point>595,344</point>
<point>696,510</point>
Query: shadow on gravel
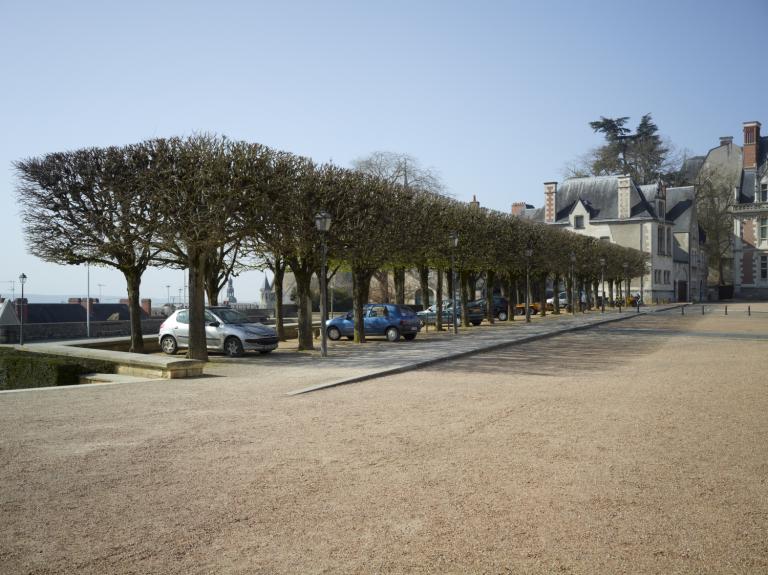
<point>591,350</point>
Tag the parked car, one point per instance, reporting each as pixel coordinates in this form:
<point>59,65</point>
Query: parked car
<point>429,315</point>
<point>226,330</point>
<point>534,305</point>
<point>562,299</point>
<point>389,320</point>
<point>500,307</point>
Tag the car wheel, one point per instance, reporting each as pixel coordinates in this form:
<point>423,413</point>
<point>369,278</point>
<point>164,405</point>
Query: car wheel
<point>409,336</point>
<point>502,316</point>
<point>265,351</point>
<point>520,311</point>
<point>533,311</point>
<point>392,333</point>
<point>169,345</point>
<point>333,333</point>
<point>233,347</point>
<point>476,323</point>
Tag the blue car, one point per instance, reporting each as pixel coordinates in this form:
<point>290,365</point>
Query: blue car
<point>389,320</point>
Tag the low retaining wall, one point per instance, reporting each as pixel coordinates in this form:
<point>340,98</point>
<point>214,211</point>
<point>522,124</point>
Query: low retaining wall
<point>78,330</point>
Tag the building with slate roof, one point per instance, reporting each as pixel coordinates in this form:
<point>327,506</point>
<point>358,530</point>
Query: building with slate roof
<point>615,209</point>
<point>750,217</point>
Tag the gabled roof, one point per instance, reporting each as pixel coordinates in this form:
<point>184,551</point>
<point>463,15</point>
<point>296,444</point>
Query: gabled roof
<point>679,207</point>
<point>54,313</point>
<point>600,195</point>
<point>8,314</point>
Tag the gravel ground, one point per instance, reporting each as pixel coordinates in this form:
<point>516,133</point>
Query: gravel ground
<point>612,450</point>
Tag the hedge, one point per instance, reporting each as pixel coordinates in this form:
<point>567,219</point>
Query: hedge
<point>23,370</point>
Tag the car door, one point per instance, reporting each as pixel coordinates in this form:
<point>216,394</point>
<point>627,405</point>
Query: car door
<point>181,329</point>
<point>377,320</point>
<point>213,333</point>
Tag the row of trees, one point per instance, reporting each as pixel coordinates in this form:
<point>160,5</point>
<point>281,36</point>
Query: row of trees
<point>206,204</point>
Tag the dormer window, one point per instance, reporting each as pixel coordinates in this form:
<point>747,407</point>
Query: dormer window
<point>662,213</point>
<point>763,195</point>
<point>578,222</point>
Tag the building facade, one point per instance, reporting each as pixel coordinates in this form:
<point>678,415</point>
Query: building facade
<point>750,217</point>
<point>653,219</point>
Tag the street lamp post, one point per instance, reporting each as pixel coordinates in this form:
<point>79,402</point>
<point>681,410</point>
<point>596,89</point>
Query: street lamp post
<point>22,281</point>
<point>602,285</point>
<point>88,299</point>
<point>454,242</point>
<point>168,294</point>
<point>323,224</point>
<point>625,265</point>
<point>528,254</point>
<point>573,283</point>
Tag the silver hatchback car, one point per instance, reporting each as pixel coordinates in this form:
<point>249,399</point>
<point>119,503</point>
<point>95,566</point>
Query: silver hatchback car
<point>226,330</point>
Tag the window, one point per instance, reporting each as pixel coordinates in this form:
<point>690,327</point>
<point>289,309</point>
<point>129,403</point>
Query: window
<point>183,317</point>
<point>669,242</point>
<point>656,279</point>
<point>763,229</point>
<point>764,267</point>
<point>666,276</point>
<point>763,196</point>
<point>660,241</point>
<point>578,222</point>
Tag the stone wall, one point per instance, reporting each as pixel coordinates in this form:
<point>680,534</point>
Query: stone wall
<point>53,331</point>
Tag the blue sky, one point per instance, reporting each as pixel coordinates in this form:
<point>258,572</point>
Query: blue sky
<point>495,96</point>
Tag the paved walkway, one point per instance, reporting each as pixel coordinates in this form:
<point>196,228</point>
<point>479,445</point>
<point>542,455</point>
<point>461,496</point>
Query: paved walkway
<point>381,358</point>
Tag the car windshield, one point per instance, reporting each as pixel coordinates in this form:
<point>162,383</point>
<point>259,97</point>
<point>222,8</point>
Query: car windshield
<point>231,316</point>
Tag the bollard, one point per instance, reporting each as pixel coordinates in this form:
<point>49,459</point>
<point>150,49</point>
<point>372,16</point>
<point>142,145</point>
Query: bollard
<point>682,310</point>
<point>702,309</point>
<point>619,308</point>
<point>749,310</point>
<point>726,310</point>
<point>638,306</point>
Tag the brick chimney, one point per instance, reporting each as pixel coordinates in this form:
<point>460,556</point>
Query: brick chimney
<point>474,203</point>
<point>518,208</point>
<point>625,187</point>
<point>726,140</point>
<point>146,305</point>
<point>751,144</point>
<point>550,202</point>
<point>86,303</point>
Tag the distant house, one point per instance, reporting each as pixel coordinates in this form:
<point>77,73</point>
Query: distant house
<point>73,312</point>
<point>615,209</point>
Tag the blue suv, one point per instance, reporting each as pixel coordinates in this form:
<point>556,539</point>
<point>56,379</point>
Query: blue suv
<point>389,320</point>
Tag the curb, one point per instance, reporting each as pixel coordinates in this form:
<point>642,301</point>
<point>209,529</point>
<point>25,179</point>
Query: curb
<point>491,347</point>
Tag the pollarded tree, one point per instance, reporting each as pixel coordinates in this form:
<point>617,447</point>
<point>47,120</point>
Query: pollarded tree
<point>366,231</point>
<point>203,200</point>
<point>93,205</point>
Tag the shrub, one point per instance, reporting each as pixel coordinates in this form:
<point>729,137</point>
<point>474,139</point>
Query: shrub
<point>22,370</point>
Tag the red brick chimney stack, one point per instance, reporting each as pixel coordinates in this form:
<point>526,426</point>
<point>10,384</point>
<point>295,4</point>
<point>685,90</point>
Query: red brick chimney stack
<point>518,208</point>
<point>751,144</point>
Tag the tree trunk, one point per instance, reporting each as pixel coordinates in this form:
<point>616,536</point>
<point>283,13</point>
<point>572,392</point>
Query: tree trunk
<point>361,285</point>
<point>197,344</point>
<point>490,277</point>
<point>516,293</point>
<point>133,281</point>
<point>439,302</point>
<point>212,287</point>
<point>464,285</point>
<point>303,301</point>
<point>382,276</point>
<point>399,280</point>
<point>424,285</point>
<point>556,296</point>
<point>277,286</point>
<point>543,296</point>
